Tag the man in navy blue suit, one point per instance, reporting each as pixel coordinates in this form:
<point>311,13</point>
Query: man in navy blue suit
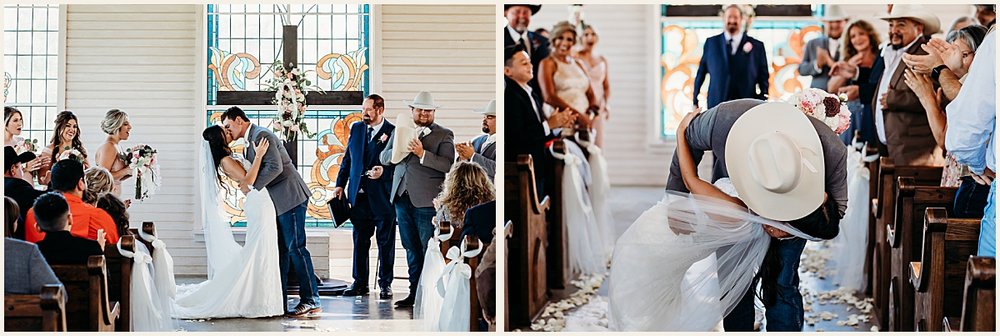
<point>736,62</point>
<point>368,193</point>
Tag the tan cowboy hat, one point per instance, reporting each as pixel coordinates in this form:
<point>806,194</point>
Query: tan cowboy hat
<point>490,109</point>
<point>775,161</point>
<point>833,13</point>
<point>423,100</point>
<point>932,25</point>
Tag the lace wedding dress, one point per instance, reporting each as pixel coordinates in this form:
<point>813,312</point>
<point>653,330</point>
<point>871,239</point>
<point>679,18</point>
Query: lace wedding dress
<point>685,263</point>
<point>243,281</point>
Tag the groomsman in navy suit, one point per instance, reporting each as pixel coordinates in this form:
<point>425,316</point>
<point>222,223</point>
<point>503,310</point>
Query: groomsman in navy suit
<point>368,193</point>
<point>736,62</point>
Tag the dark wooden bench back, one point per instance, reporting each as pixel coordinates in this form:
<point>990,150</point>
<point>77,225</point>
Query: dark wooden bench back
<point>88,307</point>
<point>979,308</point>
<point>528,270</point>
<point>45,311</point>
<point>939,275</point>
<point>120,279</point>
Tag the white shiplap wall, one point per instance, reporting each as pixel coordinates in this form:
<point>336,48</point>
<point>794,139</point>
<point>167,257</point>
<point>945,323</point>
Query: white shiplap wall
<point>144,60</point>
<point>630,41</point>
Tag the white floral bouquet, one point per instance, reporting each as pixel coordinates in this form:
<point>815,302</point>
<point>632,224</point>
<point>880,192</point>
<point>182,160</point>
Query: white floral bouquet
<point>829,108</point>
<point>142,160</point>
<point>70,153</point>
<point>290,87</point>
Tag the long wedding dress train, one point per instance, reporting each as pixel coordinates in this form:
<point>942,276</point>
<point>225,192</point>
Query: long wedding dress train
<point>848,248</point>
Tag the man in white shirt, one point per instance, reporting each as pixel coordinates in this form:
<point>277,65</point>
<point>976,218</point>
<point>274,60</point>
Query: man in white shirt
<point>900,119</point>
<point>823,52</point>
<point>516,33</point>
<point>482,149</point>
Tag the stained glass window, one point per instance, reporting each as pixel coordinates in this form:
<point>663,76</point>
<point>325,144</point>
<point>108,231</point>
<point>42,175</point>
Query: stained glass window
<point>681,45</point>
<point>333,40</point>
<point>31,41</point>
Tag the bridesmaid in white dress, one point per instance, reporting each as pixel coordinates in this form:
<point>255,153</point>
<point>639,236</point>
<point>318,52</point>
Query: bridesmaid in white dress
<point>597,68</point>
<point>118,128</point>
<point>563,78</point>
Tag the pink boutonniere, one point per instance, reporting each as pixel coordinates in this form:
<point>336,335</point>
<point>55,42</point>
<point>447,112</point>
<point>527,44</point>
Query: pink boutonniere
<point>747,47</point>
<point>383,138</point>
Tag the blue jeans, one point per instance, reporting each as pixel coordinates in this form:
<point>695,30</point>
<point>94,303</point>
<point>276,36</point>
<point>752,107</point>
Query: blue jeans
<point>415,229</point>
<point>988,231</point>
<point>292,248</point>
<point>785,313</point>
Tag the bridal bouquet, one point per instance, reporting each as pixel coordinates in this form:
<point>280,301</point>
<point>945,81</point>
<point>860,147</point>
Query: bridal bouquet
<point>290,87</point>
<point>829,108</point>
<point>142,160</point>
<point>70,153</point>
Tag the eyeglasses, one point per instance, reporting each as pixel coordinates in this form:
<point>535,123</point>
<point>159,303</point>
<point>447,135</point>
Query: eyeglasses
<point>418,111</point>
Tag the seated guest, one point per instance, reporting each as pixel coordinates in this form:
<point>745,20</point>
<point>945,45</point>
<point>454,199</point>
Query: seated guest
<point>59,246</point>
<point>24,268</point>
<point>14,186</point>
<point>116,209</point>
<point>99,181</point>
<point>465,186</point>
<point>67,178</point>
<point>480,221</point>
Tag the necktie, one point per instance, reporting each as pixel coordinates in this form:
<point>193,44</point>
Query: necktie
<point>524,43</point>
<point>729,46</point>
<point>368,135</point>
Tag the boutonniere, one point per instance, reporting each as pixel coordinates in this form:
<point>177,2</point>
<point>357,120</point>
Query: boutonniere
<point>747,47</point>
<point>383,138</point>
<point>425,131</point>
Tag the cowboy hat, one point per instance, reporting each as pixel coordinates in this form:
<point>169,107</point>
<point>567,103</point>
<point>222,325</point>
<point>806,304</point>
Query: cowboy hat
<point>932,24</point>
<point>490,109</point>
<point>423,100</point>
<point>534,8</point>
<point>833,13</point>
<point>775,161</point>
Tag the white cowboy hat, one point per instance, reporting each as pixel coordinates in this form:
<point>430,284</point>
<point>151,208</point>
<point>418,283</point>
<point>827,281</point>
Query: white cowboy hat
<point>423,100</point>
<point>932,25</point>
<point>490,109</point>
<point>775,161</point>
<point>833,13</point>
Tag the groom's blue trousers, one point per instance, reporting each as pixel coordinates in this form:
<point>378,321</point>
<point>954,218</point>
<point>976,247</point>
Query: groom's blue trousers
<point>292,250</point>
<point>786,312</point>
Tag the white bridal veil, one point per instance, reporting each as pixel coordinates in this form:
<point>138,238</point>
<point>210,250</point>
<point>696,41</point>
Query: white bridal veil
<point>221,247</point>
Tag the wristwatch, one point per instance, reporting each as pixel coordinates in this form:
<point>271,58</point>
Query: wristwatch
<point>937,71</point>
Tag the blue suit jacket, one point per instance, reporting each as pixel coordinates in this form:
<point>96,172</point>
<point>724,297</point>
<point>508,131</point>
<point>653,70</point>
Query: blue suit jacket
<point>743,72</point>
<point>360,157</point>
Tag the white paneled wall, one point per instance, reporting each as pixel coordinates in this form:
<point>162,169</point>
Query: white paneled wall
<point>144,60</point>
<point>630,41</point>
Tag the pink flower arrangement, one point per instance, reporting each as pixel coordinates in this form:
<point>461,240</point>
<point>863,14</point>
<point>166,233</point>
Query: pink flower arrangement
<point>829,108</point>
<point>142,160</point>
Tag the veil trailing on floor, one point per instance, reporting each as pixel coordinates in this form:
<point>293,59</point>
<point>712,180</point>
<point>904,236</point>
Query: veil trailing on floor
<point>685,263</point>
<point>221,247</point>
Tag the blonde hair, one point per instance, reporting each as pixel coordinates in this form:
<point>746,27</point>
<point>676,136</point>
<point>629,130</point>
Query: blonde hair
<point>113,121</point>
<point>562,27</point>
<point>99,182</point>
<point>465,186</point>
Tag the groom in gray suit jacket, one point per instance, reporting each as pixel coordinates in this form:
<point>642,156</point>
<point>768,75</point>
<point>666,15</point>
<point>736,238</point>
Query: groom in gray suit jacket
<point>289,194</point>
<point>816,62</point>
<point>417,179</point>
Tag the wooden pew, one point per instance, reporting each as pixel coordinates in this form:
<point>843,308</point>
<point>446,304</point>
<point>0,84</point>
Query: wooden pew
<point>120,279</point>
<point>979,299</point>
<point>883,209</point>
<point>45,311</point>
<point>444,228</point>
<point>904,239</point>
<point>527,245</point>
<point>88,307</point>
<point>508,231</point>
<point>148,228</point>
<point>475,309</point>
<point>559,270</point>
<point>938,277</point>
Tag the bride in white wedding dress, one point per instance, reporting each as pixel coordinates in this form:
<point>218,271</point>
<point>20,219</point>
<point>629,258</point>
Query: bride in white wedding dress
<point>242,281</point>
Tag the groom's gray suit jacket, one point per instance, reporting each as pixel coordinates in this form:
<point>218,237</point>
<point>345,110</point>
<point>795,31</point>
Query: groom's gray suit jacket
<point>277,173</point>
<point>709,130</point>
<point>423,181</point>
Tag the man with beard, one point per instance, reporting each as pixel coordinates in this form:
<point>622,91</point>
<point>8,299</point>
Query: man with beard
<point>736,63</point>
<point>986,15</point>
<point>516,33</point>
<point>823,52</point>
<point>483,149</point>
<point>900,119</point>
<point>368,194</point>
<point>417,179</point>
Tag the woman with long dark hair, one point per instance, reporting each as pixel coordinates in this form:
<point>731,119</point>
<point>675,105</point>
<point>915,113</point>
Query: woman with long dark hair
<point>66,138</point>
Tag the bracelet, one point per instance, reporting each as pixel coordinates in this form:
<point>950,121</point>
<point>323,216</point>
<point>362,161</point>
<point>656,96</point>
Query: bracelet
<point>936,73</point>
